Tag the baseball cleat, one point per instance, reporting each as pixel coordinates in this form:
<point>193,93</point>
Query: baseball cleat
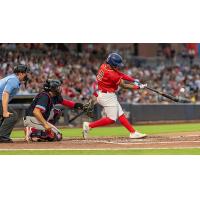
<point>86,130</point>
<point>27,131</point>
<point>137,135</point>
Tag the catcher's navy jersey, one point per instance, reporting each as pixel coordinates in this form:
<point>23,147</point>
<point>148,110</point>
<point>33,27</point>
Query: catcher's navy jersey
<point>45,103</point>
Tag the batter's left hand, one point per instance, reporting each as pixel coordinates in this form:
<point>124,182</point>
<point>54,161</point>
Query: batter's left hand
<point>142,86</point>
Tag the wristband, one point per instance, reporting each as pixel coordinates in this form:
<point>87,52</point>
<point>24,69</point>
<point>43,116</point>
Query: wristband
<point>136,87</point>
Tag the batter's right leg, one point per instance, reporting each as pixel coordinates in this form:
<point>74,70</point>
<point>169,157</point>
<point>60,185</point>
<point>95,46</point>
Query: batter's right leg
<point>101,122</point>
<point>110,104</point>
<point>111,116</point>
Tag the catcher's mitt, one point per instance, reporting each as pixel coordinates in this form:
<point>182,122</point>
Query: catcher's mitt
<point>88,108</point>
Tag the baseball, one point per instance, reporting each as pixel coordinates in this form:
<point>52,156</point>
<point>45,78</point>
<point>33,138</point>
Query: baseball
<point>182,90</point>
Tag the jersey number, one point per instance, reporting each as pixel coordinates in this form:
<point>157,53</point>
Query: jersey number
<point>100,75</point>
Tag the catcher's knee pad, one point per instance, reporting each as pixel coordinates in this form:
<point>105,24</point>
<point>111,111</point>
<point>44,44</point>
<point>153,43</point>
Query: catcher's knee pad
<point>52,136</point>
<point>36,135</point>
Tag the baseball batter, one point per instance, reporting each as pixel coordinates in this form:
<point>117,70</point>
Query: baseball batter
<point>108,79</point>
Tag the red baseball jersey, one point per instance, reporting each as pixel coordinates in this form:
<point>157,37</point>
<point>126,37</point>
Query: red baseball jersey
<point>109,79</point>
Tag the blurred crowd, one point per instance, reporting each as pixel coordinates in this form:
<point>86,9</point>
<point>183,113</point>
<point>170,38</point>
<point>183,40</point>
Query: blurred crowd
<point>167,79</point>
<point>76,65</point>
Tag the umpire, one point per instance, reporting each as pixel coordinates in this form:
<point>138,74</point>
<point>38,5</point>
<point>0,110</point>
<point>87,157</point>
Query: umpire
<point>9,87</point>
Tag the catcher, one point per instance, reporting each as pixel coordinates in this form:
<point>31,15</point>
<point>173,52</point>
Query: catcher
<point>42,115</point>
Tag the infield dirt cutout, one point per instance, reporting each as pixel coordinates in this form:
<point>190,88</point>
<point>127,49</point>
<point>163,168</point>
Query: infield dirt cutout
<point>167,140</point>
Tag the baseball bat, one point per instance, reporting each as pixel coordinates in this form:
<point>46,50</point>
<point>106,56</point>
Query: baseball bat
<point>173,98</point>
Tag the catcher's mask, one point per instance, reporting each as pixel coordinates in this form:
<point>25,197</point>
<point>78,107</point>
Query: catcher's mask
<point>53,86</point>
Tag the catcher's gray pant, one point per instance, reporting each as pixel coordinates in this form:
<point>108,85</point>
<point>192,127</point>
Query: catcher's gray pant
<point>7,124</point>
<point>31,121</point>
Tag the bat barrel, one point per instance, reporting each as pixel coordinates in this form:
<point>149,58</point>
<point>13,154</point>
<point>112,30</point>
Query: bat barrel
<point>173,98</point>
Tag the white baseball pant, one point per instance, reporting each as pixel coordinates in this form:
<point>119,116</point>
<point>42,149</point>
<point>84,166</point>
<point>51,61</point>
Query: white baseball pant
<point>110,104</point>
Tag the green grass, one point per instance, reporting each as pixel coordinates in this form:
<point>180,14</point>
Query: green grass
<point>121,131</point>
<point>105,152</point>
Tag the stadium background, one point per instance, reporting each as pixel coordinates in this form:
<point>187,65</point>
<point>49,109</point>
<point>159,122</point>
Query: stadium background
<point>167,67</point>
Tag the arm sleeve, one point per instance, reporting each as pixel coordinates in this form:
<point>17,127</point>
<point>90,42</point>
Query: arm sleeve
<point>10,85</point>
<point>116,79</point>
<point>119,80</point>
<point>126,77</point>
<point>42,102</point>
<point>68,103</point>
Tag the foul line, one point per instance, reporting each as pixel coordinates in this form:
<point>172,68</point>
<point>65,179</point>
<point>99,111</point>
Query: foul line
<point>140,143</point>
<point>103,149</point>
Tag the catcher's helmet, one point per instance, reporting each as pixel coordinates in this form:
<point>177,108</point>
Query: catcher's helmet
<point>21,68</point>
<point>114,60</point>
<point>52,85</point>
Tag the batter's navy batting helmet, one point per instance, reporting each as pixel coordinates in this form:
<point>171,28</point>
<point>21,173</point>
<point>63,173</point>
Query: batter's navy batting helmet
<point>53,86</point>
<point>21,69</point>
<point>114,60</point>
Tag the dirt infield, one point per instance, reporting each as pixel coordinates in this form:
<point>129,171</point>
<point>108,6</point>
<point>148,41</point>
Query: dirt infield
<point>172,140</point>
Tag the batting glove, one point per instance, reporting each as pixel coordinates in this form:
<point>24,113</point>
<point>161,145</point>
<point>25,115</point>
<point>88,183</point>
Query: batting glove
<point>142,86</point>
<point>136,81</point>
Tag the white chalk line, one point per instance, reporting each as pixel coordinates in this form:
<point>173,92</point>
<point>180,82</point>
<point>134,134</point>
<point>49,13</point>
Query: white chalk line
<point>103,149</point>
<point>184,136</point>
<point>146,143</point>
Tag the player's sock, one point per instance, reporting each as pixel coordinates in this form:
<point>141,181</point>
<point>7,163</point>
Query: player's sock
<point>101,122</point>
<point>124,121</point>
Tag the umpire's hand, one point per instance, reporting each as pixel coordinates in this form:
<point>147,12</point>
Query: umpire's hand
<point>7,114</point>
